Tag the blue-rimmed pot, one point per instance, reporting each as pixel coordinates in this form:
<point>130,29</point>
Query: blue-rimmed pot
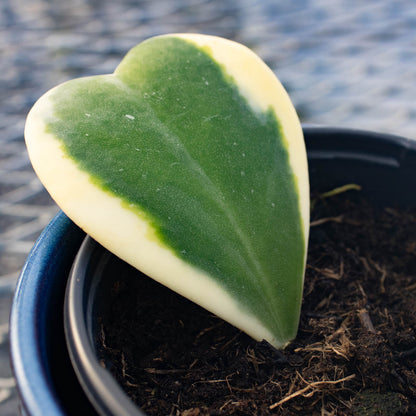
<point>54,353</point>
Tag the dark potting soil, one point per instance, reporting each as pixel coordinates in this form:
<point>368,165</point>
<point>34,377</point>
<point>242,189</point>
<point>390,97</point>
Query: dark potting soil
<point>355,353</point>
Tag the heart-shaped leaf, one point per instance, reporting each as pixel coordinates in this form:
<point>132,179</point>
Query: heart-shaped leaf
<point>189,163</point>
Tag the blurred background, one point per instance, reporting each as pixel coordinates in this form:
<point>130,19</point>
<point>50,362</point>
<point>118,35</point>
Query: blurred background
<point>345,63</point>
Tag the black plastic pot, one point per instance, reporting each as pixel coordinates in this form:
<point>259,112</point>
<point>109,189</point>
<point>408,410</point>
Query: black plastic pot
<point>384,165</point>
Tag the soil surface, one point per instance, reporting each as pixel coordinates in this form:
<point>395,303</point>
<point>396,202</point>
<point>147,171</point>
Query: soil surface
<point>355,353</point>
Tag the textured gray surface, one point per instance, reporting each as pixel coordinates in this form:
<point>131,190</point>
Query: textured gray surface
<point>344,62</point>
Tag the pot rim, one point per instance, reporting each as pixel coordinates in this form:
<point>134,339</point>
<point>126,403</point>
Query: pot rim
<point>50,258</point>
<point>52,255</point>
<point>102,388</point>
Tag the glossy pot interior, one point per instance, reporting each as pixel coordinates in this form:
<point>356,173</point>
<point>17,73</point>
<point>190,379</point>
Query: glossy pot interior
<point>385,166</point>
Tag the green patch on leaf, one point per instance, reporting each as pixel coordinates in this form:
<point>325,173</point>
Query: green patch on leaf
<point>171,135</point>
